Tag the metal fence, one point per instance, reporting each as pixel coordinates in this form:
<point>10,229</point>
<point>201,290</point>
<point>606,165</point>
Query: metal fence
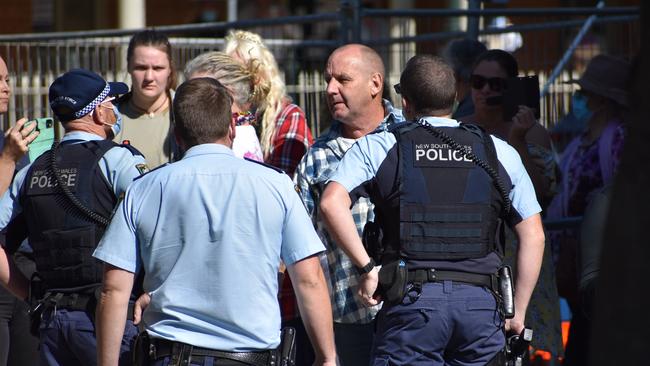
<point>302,44</point>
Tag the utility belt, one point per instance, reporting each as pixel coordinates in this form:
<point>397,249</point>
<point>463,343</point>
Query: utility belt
<point>148,350</point>
<point>433,275</point>
<point>396,281</point>
<point>75,299</point>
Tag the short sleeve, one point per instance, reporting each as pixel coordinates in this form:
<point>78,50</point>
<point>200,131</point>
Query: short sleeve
<point>119,246</point>
<point>299,239</point>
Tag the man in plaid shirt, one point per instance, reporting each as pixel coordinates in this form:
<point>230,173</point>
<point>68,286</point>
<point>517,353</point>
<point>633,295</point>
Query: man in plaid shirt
<point>355,79</point>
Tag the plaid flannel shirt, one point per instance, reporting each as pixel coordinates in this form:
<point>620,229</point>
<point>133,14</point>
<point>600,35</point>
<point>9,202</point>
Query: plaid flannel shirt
<point>291,139</point>
<point>312,173</point>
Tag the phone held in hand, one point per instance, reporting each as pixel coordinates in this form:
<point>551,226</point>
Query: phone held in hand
<point>45,138</point>
<point>522,90</point>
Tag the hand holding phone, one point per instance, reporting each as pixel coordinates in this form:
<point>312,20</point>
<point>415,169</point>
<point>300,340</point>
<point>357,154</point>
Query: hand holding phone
<point>43,138</point>
<point>522,121</point>
<point>17,138</point>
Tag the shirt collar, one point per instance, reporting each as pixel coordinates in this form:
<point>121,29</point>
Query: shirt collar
<point>204,149</point>
<point>80,135</point>
<point>441,122</point>
<point>392,115</point>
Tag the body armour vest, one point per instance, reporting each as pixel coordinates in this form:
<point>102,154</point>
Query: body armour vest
<point>446,207</point>
<point>62,237</point>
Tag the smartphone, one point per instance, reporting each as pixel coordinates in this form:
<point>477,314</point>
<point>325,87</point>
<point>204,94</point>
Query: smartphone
<point>523,90</point>
<point>45,138</point>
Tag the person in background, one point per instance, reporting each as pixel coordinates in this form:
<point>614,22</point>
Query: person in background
<point>588,164</point>
<point>355,81</point>
<point>533,143</point>
<point>17,345</point>
<point>285,135</point>
<point>146,109</point>
<point>461,55</point>
<point>239,79</point>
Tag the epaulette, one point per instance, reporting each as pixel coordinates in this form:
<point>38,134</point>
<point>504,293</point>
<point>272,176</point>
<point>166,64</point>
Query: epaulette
<point>149,171</point>
<point>132,149</point>
<point>266,165</point>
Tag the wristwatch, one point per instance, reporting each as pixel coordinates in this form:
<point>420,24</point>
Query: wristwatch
<point>367,268</point>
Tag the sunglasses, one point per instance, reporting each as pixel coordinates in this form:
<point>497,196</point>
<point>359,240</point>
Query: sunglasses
<point>495,84</point>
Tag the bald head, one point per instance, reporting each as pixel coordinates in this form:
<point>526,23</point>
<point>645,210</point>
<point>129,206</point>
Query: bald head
<point>367,58</point>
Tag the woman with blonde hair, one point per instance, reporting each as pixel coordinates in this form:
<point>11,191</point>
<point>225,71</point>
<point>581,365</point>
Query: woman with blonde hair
<point>239,80</point>
<point>285,135</point>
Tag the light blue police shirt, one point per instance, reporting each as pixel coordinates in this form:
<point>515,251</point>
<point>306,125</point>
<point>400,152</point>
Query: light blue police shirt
<point>363,160</point>
<point>209,231</point>
<point>118,165</point>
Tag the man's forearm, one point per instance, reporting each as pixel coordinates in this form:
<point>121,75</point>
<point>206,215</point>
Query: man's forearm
<point>111,317</point>
<point>314,304</point>
<point>529,261</point>
<point>335,209</point>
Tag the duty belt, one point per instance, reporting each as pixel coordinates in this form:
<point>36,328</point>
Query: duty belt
<point>434,275</point>
<point>160,348</point>
<point>72,301</point>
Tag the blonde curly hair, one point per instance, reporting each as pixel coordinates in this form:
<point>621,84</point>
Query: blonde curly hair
<point>249,47</point>
<point>237,77</point>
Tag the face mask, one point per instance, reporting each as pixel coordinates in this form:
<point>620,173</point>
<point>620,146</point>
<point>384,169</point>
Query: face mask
<point>579,107</point>
<point>117,126</point>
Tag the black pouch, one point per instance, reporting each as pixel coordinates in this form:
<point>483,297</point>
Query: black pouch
<point>288,347</point>
<point>142,350</point>
<point>36,300</point>
<point>35,314</point>
<point>371,238</point>
<point>392,282</point>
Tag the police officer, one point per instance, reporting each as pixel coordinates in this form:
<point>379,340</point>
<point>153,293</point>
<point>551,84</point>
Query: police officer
<point>440,212</point>
<point>209,231</point>
<point>65,198</point>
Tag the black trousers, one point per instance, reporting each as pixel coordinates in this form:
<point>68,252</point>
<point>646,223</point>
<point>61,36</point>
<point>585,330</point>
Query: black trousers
<point>17,345</point>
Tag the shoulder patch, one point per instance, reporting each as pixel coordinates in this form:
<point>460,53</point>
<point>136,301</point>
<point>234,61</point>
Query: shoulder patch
<point>265,165</point>
<point>142,168</point>
<point>142,174</point>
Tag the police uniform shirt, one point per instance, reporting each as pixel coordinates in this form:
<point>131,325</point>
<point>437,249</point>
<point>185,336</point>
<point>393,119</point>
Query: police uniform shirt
<point>369,167</point>
<point>209,231</point>
<point>118,165</point>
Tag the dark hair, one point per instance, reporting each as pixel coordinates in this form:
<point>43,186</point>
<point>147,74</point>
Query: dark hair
<point>153,38</point>
<point>461,54</point>
<point>429,85</point>
<point>505,60</point>
<point>202,111</point>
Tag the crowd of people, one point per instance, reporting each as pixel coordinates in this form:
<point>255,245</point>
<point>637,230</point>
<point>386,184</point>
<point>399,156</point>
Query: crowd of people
<point>201,223</point>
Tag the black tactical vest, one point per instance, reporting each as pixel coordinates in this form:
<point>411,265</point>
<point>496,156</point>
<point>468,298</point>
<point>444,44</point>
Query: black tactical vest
<point>62,237</point>
<point>445,206</point>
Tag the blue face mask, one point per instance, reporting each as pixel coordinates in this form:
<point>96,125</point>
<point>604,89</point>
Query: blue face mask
<point>117,126</point>
<point>579,107</point>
